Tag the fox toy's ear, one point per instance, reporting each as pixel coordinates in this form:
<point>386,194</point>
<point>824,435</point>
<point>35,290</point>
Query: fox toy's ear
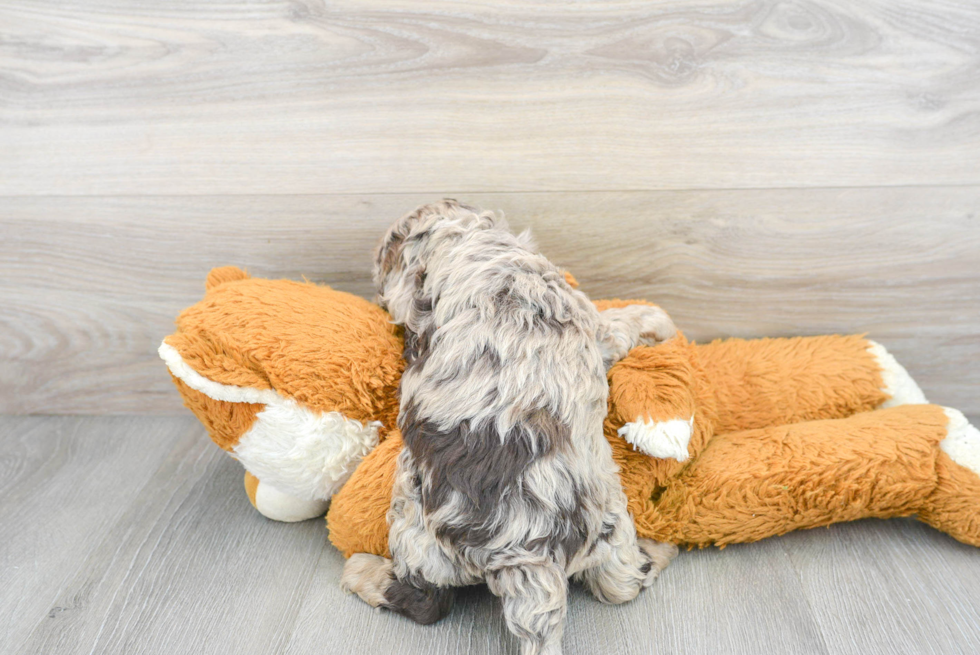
<point>222,274</point>
<point>572,282</point>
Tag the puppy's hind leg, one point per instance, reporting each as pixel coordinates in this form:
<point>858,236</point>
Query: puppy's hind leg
<point>373,579</point>
<point>631,565</point>
<point>417,582</point>
<point>368,576</point>
<point>535,598</point>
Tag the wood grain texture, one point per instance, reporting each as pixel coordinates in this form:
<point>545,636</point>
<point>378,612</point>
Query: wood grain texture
<point>128,97</point>
<point>89,286</point>
<point>842,568</point>
<point>133,535</point>
<point>188,566</point>
<point>64,484</point>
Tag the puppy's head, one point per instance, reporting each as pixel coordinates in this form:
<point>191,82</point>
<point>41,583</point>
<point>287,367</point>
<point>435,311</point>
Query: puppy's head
<point>403,254</point>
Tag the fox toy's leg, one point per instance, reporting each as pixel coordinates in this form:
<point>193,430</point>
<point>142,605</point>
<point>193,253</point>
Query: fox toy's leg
<point>954,506</point>
<point>660,407</point>
<point>278,506</point>
<point>667,400</point>
<point>764,382</point>
<point>745,486</point>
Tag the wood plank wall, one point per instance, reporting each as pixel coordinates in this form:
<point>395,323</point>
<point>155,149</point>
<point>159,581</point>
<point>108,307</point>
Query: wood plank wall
<point>758,168</point>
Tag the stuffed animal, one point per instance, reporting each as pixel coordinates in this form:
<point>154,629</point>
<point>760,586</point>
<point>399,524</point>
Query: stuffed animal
<point>727,442</point>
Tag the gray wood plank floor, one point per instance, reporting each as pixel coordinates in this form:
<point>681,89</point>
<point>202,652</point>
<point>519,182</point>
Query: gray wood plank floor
<point>133,535</point>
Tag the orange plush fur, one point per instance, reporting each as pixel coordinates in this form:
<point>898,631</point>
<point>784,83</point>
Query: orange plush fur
<point>784,436</point>
<point>327,350</point>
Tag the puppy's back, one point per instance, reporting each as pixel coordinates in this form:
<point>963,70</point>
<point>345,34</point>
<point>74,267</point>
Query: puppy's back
<point>503,399</point>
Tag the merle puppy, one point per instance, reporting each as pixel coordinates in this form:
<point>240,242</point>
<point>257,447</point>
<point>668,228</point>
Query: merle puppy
<point>506,476</point>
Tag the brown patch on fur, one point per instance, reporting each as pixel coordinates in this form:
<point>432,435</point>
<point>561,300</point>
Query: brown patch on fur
<point>660,554</point>
<point>479,465</point>
<point>419,600</point>
<point>372,578</point>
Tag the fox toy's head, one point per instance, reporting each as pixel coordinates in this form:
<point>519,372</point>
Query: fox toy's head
<point>296,381</point>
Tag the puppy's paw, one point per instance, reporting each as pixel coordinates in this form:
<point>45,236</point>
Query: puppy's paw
<point>654,325</point>
<point>368,576</point>
<point>660,554</point>
<point>625,328</point>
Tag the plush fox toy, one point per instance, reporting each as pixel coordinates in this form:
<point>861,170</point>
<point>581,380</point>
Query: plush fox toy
<point>727,442</point>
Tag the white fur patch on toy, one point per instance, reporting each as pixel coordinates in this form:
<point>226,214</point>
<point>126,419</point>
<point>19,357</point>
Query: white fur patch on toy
<point>210,388</point>
<point>302,453</point>
<point>276,505</point>
<point>663,439</point>
<point>896,380</point>
<point>296,452</point>
<point>962,442</point>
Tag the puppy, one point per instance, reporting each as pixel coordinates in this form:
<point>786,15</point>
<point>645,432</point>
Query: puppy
<point>506,476</point>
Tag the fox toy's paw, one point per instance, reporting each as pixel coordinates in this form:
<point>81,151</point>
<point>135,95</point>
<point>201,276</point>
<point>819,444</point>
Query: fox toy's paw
<point>661,439</point>
<point>278,506</point>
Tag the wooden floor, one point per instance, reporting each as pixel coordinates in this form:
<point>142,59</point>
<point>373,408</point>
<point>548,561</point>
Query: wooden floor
<point>133,535</point>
